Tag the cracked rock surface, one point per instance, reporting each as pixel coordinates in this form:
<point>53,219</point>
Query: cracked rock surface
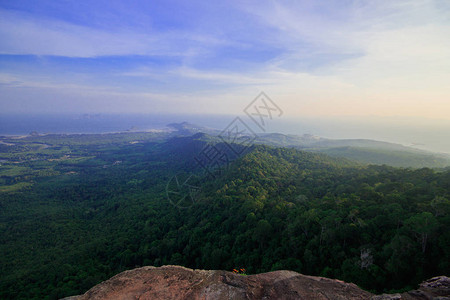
<point>175,282</point>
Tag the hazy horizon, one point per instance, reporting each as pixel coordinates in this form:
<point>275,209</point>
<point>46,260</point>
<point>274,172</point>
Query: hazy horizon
<point>426,134</point>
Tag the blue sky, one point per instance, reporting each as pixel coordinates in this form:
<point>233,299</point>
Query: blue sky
<point>314,58</point>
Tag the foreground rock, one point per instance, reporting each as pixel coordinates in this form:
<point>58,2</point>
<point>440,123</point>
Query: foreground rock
<point>174,282</point>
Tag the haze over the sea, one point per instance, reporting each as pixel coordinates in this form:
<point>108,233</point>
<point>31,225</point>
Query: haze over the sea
<point>431,135</point>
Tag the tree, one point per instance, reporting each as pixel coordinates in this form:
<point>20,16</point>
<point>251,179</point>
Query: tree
<point>440,205</point>
<point>423,225</point>
<point>263,231</point>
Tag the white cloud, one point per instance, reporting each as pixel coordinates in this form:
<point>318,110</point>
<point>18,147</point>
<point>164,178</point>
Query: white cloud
<point>22,34</point>
<point>401,62</point>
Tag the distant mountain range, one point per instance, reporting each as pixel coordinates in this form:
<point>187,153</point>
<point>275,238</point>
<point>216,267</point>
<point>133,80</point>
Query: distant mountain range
<point>364,151</point>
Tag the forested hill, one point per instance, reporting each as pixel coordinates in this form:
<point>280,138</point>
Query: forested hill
<point>105,209</point>
<point>379,227</point>
<point>365,151</point>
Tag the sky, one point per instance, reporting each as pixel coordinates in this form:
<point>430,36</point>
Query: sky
<point>374,59</point>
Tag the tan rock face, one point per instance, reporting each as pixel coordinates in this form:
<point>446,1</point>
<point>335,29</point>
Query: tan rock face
<point>175,282</point>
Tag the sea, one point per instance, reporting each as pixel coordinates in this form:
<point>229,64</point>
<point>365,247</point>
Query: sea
<point>429,135</point>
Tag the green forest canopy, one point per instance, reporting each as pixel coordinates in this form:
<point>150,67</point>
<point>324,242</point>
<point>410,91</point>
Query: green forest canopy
<point>104,210</point>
